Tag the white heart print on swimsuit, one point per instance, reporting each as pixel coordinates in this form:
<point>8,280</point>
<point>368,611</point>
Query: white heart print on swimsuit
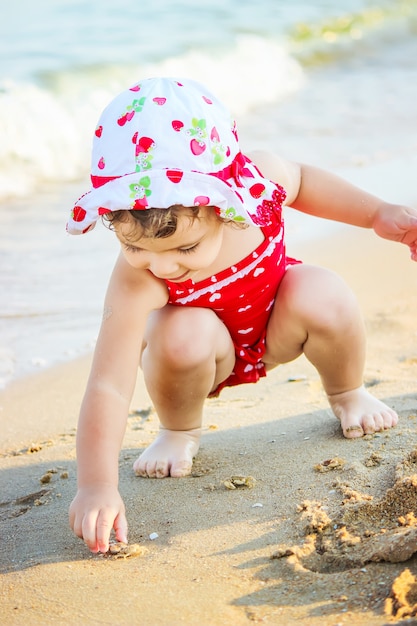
<point>165,142</point>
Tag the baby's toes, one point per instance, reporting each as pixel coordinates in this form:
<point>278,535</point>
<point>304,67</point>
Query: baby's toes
<point>151,471</point>
<point>181,469</point>
<point>161,469</point>
<point>389,418</point>
<point>140,467</point>
<point>372,424</point>
<point>353,431</point>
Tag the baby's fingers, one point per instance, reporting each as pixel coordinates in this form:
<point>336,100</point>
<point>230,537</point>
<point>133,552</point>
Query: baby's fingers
<point>413,252</point>
<point>93,514</point>
<point>76,521</point>
<point>104,527</point>
<point>89,531</point>
<point>120,527</point>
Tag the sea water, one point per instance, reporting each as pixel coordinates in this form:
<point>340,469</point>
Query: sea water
<point>329,83</point>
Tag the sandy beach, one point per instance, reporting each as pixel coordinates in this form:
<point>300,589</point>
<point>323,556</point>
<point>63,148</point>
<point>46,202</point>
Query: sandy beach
<point>325,533</point>
<point>319,530</point>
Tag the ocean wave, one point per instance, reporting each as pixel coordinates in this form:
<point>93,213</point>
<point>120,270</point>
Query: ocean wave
<point>349,34</point>
<point>46,127</point>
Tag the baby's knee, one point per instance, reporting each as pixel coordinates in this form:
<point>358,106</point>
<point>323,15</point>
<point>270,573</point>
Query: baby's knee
<point>182,337</point>
<point>340,307</point>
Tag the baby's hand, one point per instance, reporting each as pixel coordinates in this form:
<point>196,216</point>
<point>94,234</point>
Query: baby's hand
<point>398,223</point>
<point>93,513</point>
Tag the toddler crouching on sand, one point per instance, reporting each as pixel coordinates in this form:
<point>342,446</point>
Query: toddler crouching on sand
<point>203,295</point>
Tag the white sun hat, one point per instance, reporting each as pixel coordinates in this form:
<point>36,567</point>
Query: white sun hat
<point>167,142</point>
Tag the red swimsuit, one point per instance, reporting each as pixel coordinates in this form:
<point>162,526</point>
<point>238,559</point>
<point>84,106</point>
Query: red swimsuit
<point>242,296</point>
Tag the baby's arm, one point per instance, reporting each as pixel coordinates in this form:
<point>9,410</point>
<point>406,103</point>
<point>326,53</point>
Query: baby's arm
<point>323,194</point>
<point>326,195</point>
<point>97,506</point>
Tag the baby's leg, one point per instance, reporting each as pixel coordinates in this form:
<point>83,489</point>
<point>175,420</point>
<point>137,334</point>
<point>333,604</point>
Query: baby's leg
<point>316,313</point>
<point>187,353</point>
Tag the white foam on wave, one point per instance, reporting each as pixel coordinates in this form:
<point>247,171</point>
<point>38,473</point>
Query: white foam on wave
<point>42,139</point>
<point>255,72</point>
<point>47,129</point>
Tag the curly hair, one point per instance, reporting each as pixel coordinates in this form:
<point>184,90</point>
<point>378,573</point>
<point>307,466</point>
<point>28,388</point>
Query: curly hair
<point>155,223</point>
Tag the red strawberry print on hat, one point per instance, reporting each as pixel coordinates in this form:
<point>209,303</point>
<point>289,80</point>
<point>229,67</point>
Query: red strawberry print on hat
<point>122,119</point>
<point>175,176</point>
<point>257,190</point>
<point>78,214</point>
<point>143,152</point>
<point>145,144</point>
<point>101,164</point>
<point>177,125</point>
<point>217,149</point>
<point>199,134</point>
<point>99,131</point>
<point>197,147</point>
<point>140,203</point>
<point>125,118</point>
<point>214,135</point>
<point>201,201</point>
<point>131,109</point>
<point>140,192</point>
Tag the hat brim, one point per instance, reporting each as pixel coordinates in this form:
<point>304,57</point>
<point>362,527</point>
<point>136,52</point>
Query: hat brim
<point>238,201</point>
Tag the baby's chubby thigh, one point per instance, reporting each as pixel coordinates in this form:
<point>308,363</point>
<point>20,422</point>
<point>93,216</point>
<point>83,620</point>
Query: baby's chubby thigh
<point>310,300</point>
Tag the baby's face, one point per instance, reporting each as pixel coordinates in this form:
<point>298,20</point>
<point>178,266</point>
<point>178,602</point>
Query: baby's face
<point>194,246</point>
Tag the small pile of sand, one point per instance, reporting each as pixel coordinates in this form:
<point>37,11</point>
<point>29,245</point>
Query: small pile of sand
<point>363,531</point>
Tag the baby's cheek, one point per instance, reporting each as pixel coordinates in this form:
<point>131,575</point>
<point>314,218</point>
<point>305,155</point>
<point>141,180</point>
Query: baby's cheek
<point>133,261</point>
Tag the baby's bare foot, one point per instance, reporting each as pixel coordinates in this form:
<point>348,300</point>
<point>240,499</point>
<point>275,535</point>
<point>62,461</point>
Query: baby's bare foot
<point>171,454</point>
<point>360,413</point>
